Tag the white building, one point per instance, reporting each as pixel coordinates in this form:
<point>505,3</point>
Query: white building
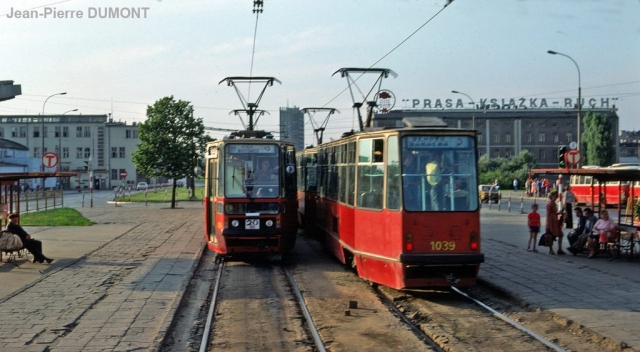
<point>81,143</point>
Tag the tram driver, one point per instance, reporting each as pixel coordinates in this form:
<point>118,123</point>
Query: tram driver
<point>266,171</point>
<point>434,169</point>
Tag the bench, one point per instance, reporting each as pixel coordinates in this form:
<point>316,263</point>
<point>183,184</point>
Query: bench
<point>12,255</point>
<point>627,241</point>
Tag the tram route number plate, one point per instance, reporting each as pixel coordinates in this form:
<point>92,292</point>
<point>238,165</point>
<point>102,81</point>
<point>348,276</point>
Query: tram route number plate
<point>252,224</point>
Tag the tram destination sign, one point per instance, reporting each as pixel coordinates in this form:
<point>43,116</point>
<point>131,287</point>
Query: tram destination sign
<point>252,148</point>
<point>418,142</point>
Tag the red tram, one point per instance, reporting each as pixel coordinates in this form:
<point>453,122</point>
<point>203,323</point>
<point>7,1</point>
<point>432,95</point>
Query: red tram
<point>250,195</point>
<point>400,205</point>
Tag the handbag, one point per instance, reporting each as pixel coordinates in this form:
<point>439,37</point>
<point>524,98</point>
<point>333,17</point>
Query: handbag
<point>546,240</point>
<point>603,237</point>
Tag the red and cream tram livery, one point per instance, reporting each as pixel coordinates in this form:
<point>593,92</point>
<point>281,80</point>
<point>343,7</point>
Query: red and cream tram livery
<point>250,195</point>
<point>399,205</point>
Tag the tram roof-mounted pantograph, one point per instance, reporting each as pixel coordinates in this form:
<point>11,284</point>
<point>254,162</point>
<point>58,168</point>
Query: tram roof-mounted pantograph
<point>319,129</point>
<point>351,82</point>
<point>250,108</point>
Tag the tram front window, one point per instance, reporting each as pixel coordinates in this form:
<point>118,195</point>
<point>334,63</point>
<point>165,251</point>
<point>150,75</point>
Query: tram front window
<point>251,171</point>
<point>439,173</point>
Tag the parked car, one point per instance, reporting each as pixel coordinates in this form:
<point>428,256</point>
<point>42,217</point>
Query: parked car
<point>489,193</point>
<point>142,186</point>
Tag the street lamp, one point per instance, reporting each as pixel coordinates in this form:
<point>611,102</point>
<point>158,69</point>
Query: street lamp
<point>42,132</point>
<point>473,114</point>
<point>579,90</point>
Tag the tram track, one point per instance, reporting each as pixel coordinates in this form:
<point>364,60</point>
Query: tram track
<point>275,312</point>
<point>457,321</point>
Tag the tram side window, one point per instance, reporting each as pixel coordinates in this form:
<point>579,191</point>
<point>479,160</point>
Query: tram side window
<point>351,173</point>
<point>393,172</point>
<point>370,173</point>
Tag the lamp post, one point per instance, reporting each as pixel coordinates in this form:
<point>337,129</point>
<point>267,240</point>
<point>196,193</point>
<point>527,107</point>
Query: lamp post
<point>473,114</point>
<point>42,131</point>
<point>579,91</point>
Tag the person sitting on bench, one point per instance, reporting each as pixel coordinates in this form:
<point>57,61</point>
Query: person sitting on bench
<point>31,244</point>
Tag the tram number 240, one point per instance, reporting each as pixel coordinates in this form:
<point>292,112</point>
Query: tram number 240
<point>443,245</point>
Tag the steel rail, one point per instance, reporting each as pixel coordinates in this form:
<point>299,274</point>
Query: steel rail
<point>305,311</point>
<point>204,344</point>
<point>510,321</point>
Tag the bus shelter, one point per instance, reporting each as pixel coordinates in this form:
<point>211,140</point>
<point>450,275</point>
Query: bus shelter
<point>11,190</point>
<point>617,187</point>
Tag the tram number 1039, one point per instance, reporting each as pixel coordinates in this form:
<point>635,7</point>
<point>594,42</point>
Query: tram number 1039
<point>443,245</point>
<point>252,224</point>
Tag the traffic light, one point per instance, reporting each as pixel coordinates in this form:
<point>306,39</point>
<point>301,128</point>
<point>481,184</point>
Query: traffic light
<point>562,151</point>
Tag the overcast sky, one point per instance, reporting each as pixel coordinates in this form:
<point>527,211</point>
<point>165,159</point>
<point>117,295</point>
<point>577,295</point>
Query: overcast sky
<point>486,49</point>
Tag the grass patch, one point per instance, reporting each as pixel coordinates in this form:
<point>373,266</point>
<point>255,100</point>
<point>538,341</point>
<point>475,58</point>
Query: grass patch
<point>162,195</point>
<point>55,217</point>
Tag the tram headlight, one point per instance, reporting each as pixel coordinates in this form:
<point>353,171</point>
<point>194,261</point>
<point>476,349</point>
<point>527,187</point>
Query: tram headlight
<point>269,223</point>
<point>235,223</point>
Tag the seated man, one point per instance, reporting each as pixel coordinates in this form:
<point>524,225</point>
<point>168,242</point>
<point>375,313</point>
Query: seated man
<point>31,244</point>
<point>589,220</point>
<point>579,230</point>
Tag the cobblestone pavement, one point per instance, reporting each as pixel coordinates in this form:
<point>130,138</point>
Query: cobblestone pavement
<point>120,296</point>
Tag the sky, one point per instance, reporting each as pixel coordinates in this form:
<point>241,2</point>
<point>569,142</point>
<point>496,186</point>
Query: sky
<point>184,48</point>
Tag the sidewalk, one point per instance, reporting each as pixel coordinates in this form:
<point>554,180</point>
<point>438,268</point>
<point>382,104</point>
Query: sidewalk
<point>116,285</point>
<point>599,294</point>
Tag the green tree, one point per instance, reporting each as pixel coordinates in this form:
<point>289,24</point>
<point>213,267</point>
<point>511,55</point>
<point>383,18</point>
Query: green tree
<point>598,146</point>
<point>505,170</point>
<point>171,140</point>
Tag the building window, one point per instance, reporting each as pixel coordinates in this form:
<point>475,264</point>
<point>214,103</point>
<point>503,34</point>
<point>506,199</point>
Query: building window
<point>542,155</point>
<point>507,124</point>
<point>23,132</point>
<point>554,137</point>
<point>65,152</point>
<point>87,153</point>
<point>479,138</point>
<point>528,124</point>
<point>131,133</point>
<point>14,132</point>
<point>79,132</point>
<point>569,137</point>
<point>507,153</point>
<point>555,124</point>
<point>507,138</point>
<point>496,153</point>
<point>36,132</point>
<point>114,152</point>
<point>65,131</point>
<point>87,131</point>
<point>45,131</point>
<point>496,138</point>
<point>78,153</point>
<point>529,137</point>
<point>36,152</point>
<point>541,137</point>
<point>122,153</point>
<point>1,132</point>
<point>114,174</point>
<point>56,132</point>
<point>541,124</point>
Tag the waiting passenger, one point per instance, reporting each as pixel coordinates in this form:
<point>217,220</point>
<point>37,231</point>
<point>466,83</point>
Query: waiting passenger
<point>604,231</point>
<point>31,244</point>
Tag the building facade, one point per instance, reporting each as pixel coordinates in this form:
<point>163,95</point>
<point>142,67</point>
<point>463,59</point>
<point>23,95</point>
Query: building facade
<point>82,143</point>
<point>506,132</point>
<point>292,126</point>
